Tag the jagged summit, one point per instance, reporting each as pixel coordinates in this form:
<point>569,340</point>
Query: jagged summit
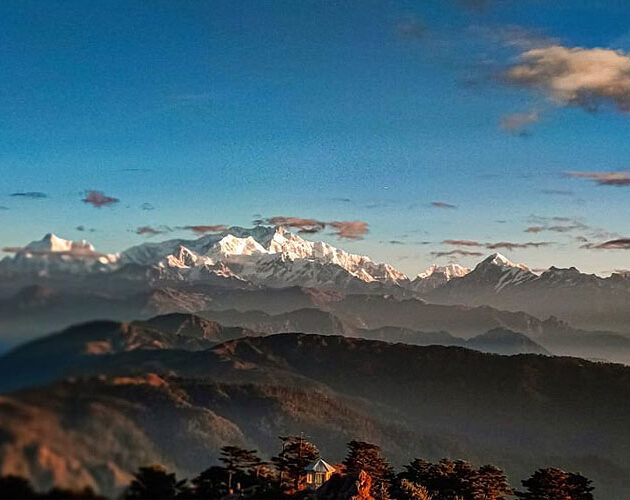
<point>262,256</point>
<point>449,271</point>
<point>498,259</point>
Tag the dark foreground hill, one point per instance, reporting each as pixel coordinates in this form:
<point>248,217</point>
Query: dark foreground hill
<point>178,407</point>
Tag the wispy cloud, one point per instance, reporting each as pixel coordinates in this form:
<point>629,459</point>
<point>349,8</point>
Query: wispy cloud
<point>507,245</point>
<point>463,243</point>
<point>458,252</point>
<point>518,123</point>
<point>556,225</point>
<point>618,179</point>
<point>515,36</point>
<point>575,76</point>
<point>411,27</point>
<point>98,199</point>
<point>202,229</point>
<point>441,204</point>
<point>558,192</point>
<point>34,195</point>
<point>149,231</point>
<point>351,230</point>
<point>618,244</point>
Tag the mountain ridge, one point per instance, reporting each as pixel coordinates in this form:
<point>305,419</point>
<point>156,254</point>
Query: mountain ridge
<point>516,411</point>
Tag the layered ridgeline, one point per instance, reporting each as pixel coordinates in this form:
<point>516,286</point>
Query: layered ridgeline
<point>147,397</point>
<point>53,283</point>
<point>89,348</point>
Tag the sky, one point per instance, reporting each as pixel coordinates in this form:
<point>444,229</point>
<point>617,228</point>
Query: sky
<point>450,129</point>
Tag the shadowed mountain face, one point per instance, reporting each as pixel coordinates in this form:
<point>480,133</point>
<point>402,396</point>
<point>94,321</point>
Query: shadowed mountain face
<point>584,300</point>
<point>520,412</point>
<point>503,341</point>
<point>90,348</point>
<point>39,310</point>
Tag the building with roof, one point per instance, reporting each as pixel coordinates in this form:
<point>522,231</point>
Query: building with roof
<point>318,473</point>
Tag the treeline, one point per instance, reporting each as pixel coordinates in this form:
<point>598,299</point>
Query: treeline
<point>364,474</point>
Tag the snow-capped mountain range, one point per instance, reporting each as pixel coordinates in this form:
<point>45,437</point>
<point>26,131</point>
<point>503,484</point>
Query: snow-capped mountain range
<point>276,258</point>
<point>262,256</point>
<point>53,255</point>
<point>270,257</point>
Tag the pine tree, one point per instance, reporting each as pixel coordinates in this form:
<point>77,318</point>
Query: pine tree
<point>556,484</point>
<point>211,484</point>
<point>368,457</point>
<point>412,491</point>
<point>154,483</point>
<point>296,454</point>
<point>458,479</point>
<point>241,465</point>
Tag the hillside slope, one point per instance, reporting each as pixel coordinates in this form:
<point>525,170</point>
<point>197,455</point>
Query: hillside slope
<point>178,407</point>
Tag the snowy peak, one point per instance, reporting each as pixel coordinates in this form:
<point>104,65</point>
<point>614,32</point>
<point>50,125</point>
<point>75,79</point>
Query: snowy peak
<point>447,272</point>
<point>435,276</point>
<point>497,259</point>
<point>233,246</point>
<point>264,256</point>
<point>53,254</point>
<point>52,243</point>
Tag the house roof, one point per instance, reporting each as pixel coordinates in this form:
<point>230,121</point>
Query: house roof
<point>320,465</point>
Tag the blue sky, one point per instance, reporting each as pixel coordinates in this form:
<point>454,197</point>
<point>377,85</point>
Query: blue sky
<point>222,112</point>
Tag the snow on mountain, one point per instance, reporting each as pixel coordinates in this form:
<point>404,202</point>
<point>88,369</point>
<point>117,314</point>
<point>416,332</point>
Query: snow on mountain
<point>498,271</point>
<point>266,257</point>
<point>497,259</point>
<point>447,272</point>
<point>435,276</point>
<point>53,254</point>
<point>274,257</point>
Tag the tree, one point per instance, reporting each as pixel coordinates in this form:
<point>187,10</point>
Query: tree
<point>490,483</point>
<point>241,465</point>
<point>556,484</point>
<point>12,487</point>
<point>296,454</point>
<point>367,457</point>
<point>412,491</point>
<point>211,484</point>
<point>453,479</point>
<point>155,483</point>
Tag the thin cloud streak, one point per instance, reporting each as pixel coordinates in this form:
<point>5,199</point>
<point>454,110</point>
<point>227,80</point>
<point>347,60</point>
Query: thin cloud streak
<point>350,230</point>
<point>34,195</point>
<point>518,123</point>
<point>203,229</point>
<point>618,244</point>
<point>441,204</point>
<point>507,245</point>
<point>98,199</point>
<point>618,179</point>
<point>460,253</point>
